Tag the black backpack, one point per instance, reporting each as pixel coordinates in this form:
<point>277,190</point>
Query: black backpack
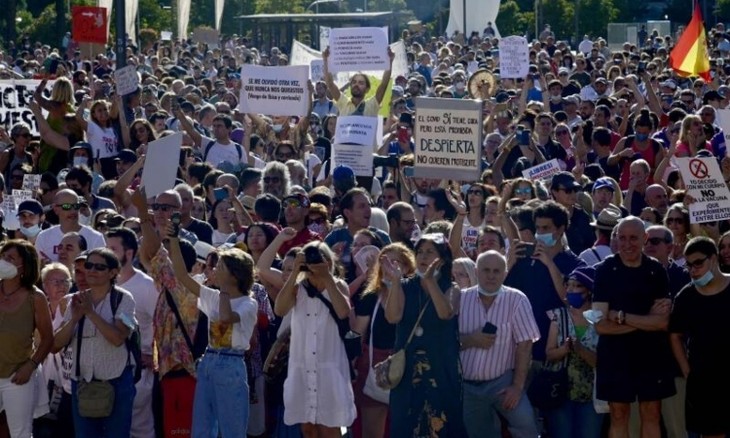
<point>239,149</point>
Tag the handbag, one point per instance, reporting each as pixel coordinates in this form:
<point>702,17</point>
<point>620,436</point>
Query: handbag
<point>278,358</point>
<point>389,372</point>
<point>95,398</point>
<point>371,388</point>
<point>549,387</point>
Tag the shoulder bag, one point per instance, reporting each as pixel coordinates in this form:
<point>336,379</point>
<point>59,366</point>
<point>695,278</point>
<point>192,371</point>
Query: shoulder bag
<point>95,398</point>
<point>371,388</point>
<point>389,372</point>
<point>549,387</point>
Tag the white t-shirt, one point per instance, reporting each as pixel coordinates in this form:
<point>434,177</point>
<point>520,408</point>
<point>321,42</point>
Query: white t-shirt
<point>49,240</point>
<point>103,141</point>
<point>246,307</point>
<point>145,294</point>
<point>219,153</point>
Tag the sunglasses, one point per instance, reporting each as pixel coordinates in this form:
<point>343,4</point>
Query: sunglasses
<point>475,192</point>
<point>293,203</point>
<point>100,267</point>
<point>272,179</point>
<point>654,241</point>
<point>697,263</point>
<point>523,191</point>
<point>70,206</point>
<point>163,207</point>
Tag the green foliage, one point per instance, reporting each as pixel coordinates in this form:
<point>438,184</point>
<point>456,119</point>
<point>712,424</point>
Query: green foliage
<point>279,7</point>
<point>721,11</point>
<point>152,16</point>
<point>43,27</point>
<point>594,16</point>
<point>630,10</point>
<point>147,38</point>
<point>512,21</point>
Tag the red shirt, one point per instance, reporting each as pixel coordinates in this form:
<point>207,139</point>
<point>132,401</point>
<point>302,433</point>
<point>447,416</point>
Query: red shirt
<point>304,236</point>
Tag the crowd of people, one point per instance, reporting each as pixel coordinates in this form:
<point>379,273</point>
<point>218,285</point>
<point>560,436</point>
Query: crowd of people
<point>263,293</point>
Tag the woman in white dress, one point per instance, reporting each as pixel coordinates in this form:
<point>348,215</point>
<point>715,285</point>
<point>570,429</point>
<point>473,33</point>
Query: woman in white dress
<point>317,392</point>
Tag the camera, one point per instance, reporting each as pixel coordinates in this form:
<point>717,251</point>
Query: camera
<point>312,256</point>
<point>176,219</point>
<point>382,161</point>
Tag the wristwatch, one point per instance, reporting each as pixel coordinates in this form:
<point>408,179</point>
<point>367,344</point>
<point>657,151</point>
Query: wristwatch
<point>621,318</point>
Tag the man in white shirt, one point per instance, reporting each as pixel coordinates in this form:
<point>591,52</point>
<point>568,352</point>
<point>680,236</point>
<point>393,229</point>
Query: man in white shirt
<point>123,242</point>
<point>66,205</point>
<point>220,148</point>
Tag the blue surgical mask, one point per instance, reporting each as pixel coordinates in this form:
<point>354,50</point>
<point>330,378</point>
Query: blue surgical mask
<point>78,161</point>
<point>642,137</point>
<point>486,293</point>
<point>31,231</point>
<point>547,238</point>
<point>575,299</point>
<point>704,280</point>
<point>278,127</point>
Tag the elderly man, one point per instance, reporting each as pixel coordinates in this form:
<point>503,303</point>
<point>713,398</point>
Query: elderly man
<point>634,358</point>
<point>656,197</point>
<point>66,205</point>
<point>72,244</point>
<point>497,330</point>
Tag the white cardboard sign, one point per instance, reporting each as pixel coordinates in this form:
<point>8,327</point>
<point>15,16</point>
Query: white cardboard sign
<point>356,130</point>
<point>159,169</point>
<point>514,57</point>
<point>358,49</point>
<point>126,79</point>
<point>704,182</point>
<point>542,170</point>
<point>275,91</point>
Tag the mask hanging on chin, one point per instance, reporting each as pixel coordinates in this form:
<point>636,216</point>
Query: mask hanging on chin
<point>84,220</point>
<point>31,231</point>
<point>704,280</point>
<point>486,293</point>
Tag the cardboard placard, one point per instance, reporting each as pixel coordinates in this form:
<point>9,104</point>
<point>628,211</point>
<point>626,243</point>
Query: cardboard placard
<point>159,170</point>
<point>543,170</point>
<point>704,182</point>
<point>514,57</point>
<point>276,91</point>
<point>126,80</point>
<point>15,98</point>
<point>358,49</point>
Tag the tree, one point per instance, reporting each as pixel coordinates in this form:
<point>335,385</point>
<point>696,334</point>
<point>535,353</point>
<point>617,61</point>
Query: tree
<point>512,21</point>
<point>722,10</point>
<point>594,16</point>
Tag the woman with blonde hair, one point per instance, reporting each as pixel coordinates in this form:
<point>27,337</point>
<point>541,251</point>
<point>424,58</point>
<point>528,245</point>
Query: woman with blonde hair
<point>59,104</point>
<point>464,272</point>
<point>379,338</point>
<point>692,137</point>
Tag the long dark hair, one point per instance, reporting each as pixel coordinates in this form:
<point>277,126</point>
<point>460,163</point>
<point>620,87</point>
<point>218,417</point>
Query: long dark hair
<point>441,243</point>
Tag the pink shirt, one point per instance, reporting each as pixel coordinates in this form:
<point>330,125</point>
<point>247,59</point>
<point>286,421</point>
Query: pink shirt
<point>683,149</point>
<point>512,313</point>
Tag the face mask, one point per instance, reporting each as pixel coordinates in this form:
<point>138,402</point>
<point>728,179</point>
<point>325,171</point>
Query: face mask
<point>642,137</point>
<point>78,161</point>
<point>575,299</point>
<point>421,274</point>
<point>320,229</point>
<point>547,238</point>
<point>460,86</point>
<point>84,220</point>
<point>486,293</point>
<point>31,231</point>
<point>7,270</point>
<point>278,128</point>
<point>704,280</point>
<point>557,98</point>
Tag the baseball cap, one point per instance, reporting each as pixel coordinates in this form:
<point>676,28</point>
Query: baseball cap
<point>669,84</point>
<point>302,198</point>
<point>81,145</point>
<point>601,81</point>
<point>31,206</point>
<point>603,183</point>
<point>564,179</point>
<point>126,156</point>
<point>343,172</point>
<point>585,275</point>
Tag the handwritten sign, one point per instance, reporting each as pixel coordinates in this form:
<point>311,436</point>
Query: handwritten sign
<point>126,79</point>
<point>358,49</point>
<point>543,170</point>
<point>20,196</point>
<point>704,182</point>
<point>159,170</point>
<point>9,213</point>
<point>206,35</point>
<point>448,137</point>
<point>15,98</point>
<point>316,70</point>
<point>31,182</point>
<point>276,91</point>
<point>166,35</point>
<point>514,57</point>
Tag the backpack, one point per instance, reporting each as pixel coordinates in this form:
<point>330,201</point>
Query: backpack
<point>239,149</point>
<point>134,341</point>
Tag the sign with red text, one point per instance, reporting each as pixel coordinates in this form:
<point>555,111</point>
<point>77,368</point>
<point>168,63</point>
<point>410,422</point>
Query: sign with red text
<point>704,182</point>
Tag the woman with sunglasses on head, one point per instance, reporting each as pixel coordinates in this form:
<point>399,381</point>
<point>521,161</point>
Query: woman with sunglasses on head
<point>221,403</point>
<point>104,316</point>
<point>23,312</point>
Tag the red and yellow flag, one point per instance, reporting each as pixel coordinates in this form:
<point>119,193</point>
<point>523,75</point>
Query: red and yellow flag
<point>689,56</point>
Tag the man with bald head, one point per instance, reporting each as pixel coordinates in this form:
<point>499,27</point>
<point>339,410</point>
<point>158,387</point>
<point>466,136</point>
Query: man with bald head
<point>632,304</point>
<point>66,205</point>
<point>496,332</point>
<point>656,197</point>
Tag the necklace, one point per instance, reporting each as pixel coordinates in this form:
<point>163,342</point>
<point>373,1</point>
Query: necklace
<point>6,297</point>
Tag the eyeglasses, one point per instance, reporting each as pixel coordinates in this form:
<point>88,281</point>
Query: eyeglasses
<point>475,192</point>
<point>164,207</point>
<point>654,241</point>
<point>523,191</point>
<point>677,220</point>
<point>290,202</point>
<point>697,263</point>
<point>272,179</point>
<point>70,206</point>
<point>100,267</point>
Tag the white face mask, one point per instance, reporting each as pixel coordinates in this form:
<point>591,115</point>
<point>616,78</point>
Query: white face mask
<point>84,220</point>
<point>486,293</point>
<point>7,270</point>
<point>278,128</point>
<point>31,231</point>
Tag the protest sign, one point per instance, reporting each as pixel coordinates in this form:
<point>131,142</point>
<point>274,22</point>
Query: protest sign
<point>165,35</point>
<point>448,134</point>
<point>356,156</point>
<point>543,170</point>
<point>15,98</point>
<point>324,36</point>
<point>279,91</point>
<point>704,182</point>
<point>206,35</point>
<point>20,196</point>
<point>316,70</point>
<point>358,49</point>
<point>356,130</point>
<point>514,57</point>
<point>159,170</point>
<point>9,213</point>
<point>89,24</point>
<point>723,119</point>
<point>31,182</point>
<point>126,79</point>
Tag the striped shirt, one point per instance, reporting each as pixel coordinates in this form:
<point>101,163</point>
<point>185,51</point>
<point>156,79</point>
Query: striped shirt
<point>511,312</point>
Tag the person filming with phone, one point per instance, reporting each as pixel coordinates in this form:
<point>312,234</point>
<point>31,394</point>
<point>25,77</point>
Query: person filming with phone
<point>496,333</point>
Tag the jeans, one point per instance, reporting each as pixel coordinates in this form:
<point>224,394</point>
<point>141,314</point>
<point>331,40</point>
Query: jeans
<point>574,419</point>
<point>221,396</point>
<point>481,403</point>
<point>116,425</point>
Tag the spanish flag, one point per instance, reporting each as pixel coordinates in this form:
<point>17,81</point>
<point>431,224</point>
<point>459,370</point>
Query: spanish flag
<point>689,56</point>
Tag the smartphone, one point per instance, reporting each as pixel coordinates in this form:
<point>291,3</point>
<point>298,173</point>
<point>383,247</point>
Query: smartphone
<point>525,137</point>
<point>403,136</point>
<point>529,249</point>
<point>176,219</point>
<point>220,193</point>
<point>489,328</point>
<point>642,66</point>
